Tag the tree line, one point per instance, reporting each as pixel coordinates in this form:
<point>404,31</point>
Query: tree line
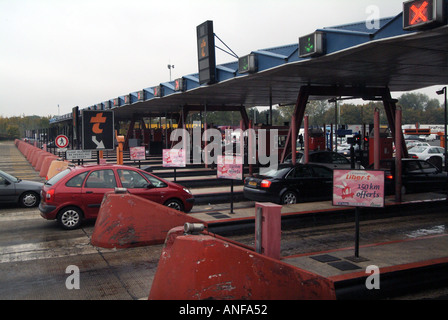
<point>15,127</point>
<point>416,108</point>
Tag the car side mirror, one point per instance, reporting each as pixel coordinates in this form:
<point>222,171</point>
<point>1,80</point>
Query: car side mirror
<point>149,186</point>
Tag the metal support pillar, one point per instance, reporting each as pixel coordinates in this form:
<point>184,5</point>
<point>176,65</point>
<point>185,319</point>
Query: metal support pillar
<point>398,154</point>
<point>376,139</point>
<point>390,107</point>
<point>245,118</point>
<point>293,141</point>
<point>250,142</point>
<point>306,139</point>
<point>299,112</point>
<point>129,134</point>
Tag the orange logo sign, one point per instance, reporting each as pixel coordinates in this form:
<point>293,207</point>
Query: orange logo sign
<point>97,120</point>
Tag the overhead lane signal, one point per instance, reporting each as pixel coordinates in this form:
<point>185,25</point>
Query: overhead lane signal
<point>206,53</point>
<point>422,14</point>
<point>248,64</point>
<point>312,45</point>
<point>180,84</point>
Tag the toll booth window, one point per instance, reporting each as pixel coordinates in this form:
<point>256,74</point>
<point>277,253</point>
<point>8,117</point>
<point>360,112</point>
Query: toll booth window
<point>101,179</point>
<point>156,183</point>
<point>132,179</point>
<point>76,181</point>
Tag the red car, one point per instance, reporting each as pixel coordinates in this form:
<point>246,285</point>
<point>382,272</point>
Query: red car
<point>77,192</point>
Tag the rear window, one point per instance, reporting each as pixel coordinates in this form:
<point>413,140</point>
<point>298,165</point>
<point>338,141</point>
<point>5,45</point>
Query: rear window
<point>417,149</point>
<point>276,173</point>
<point>76,181</point>
<point>57,177</point>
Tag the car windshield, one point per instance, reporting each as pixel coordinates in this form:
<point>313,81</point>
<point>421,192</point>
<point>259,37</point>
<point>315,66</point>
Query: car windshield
<point>57,177</point>
<point>10,177</point>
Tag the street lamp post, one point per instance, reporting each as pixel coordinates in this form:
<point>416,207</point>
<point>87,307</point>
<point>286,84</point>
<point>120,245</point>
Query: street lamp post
<point>170,66</point>
<point>443,91</point>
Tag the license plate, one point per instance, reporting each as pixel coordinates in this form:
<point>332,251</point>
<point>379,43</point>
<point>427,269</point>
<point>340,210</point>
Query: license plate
<point>252,183</point>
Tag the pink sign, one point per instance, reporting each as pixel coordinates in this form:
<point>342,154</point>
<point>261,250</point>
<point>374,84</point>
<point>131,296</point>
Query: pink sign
<point>174,158</point>
<point>358,188</point>
<point>230,167</point>
<point>137,153</point>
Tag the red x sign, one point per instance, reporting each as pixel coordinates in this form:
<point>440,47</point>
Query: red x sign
<point>422,14</point>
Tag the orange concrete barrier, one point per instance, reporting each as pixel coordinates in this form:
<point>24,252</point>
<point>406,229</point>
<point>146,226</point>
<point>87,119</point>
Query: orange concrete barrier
<point>56,166</point>
<point>41,159</point>
<point>126,220</point>
<point>31,150</point>
<point>198,267</point>
<point>33,154</point>
<point>45,165</point>
<point>36,158</point>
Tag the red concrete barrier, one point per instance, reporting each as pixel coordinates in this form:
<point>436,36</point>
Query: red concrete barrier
<point>36,158</point>
<point>126,220</point>
<point>28,151</point>
<point>41,160</point>
<point>33,154</point>
<point>197,267</point>
<point>46,165</point>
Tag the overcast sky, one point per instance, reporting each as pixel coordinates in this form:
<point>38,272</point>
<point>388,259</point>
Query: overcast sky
<point>82,52</point>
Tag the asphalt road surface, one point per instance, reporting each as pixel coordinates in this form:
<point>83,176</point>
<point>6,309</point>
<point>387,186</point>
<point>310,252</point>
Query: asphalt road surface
<point>38,260</point>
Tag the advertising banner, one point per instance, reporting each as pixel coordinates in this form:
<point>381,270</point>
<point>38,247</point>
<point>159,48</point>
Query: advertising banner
<point>230,167</point>
<point>174,158</point>
<point>137,153</point>
<point>358,188</point>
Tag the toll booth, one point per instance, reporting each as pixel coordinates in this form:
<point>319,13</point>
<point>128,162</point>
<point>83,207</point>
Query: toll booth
<point>282,132</point>
<point>316,139</point>
<point>386,145</point>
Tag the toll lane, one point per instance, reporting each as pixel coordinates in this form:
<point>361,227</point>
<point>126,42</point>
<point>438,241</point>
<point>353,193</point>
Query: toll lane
<point>35,255</point>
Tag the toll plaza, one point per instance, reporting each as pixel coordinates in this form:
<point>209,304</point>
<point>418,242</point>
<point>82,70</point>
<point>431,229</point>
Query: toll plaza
<point>403,53</point>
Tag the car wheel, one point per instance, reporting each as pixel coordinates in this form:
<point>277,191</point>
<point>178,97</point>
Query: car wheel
<point>289,197</point>
<point>70,218</point>
<point>29,199</point>
<point>175,204</point>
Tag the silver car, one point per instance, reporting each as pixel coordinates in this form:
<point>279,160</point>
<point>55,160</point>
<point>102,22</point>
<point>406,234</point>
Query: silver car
<point>23,192</point>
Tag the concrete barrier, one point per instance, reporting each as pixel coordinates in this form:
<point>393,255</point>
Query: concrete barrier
<point>37,156</point>
<point>41,160</point>
<point>45,165</point>
<point>198,267</point>
<point>126,220</point>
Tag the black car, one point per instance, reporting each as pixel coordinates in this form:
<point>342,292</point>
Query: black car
<point>417,176</point>
<point>290,184</point>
